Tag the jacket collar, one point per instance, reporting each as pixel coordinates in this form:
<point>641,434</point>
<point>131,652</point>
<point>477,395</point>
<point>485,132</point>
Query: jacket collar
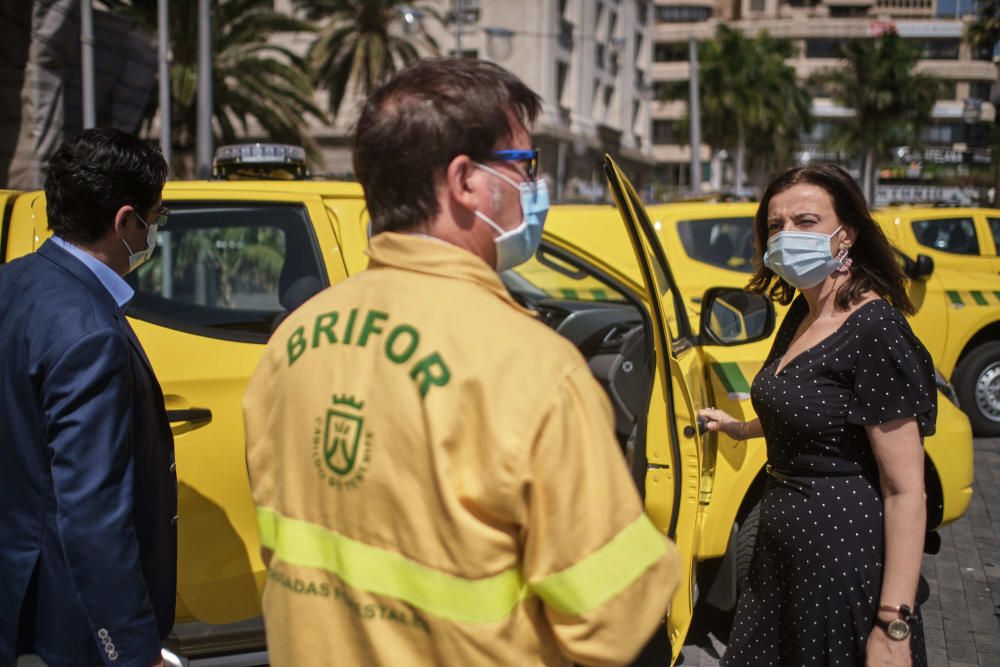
<point>425,254</point>
<point>64,260</point>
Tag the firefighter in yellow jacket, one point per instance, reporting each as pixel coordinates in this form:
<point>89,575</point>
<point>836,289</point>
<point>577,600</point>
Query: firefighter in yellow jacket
<point>436,472</point>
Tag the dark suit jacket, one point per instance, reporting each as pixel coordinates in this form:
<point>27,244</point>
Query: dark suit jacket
<point>88,493</point>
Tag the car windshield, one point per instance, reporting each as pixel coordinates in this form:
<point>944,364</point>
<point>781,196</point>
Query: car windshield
<point>723,242</point>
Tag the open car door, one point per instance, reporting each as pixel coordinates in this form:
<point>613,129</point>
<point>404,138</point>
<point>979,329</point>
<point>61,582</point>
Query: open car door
<point>673,442</point>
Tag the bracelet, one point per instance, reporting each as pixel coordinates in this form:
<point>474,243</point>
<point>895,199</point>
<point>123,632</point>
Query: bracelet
<point>742,434</point>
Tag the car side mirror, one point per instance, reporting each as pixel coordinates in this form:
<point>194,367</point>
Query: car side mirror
<point>731,316</point>
<point>922,268</point>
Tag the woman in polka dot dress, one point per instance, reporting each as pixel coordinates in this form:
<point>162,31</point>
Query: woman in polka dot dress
<point>844,400</point>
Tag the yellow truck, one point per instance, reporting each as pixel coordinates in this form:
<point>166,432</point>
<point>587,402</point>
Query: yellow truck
<point>239,255</point>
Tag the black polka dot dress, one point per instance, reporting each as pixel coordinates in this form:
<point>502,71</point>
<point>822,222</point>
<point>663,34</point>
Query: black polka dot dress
<point>816,570</point>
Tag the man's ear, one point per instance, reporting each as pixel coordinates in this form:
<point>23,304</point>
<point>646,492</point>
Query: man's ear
<point>121,220</point>
<point>459,180</point>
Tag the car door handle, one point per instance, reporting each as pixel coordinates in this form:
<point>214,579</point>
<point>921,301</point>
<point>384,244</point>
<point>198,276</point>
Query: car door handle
<point>702,428</point>
<point>190,415</point>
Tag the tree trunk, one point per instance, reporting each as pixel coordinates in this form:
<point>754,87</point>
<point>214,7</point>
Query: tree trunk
<point>868,176</point>
<point>738,167</point>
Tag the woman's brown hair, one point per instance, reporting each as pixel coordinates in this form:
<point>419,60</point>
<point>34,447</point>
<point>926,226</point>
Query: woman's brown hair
<point>875,266</point>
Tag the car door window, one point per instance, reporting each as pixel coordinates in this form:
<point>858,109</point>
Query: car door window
<point>955,235</point>
<point>995,230</point>
<point>723,242</point>
<point>229,271</point>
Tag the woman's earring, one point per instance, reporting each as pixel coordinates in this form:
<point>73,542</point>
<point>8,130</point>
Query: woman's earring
<point>845,261</point>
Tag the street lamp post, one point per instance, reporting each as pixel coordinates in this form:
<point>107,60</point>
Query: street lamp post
<point>694,115</point>
<point>87,63</point>
<point>204,126</point>
<point>163,53</point>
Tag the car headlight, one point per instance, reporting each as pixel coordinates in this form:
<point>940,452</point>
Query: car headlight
<point>945,388</point>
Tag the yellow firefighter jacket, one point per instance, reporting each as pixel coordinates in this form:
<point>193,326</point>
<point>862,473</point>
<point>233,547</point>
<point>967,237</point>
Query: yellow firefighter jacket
<point>438,482</point>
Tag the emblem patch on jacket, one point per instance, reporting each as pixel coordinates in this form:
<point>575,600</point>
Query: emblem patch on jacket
<point>341,446</point>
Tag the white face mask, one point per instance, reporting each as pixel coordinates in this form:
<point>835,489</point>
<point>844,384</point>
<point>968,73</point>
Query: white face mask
<point>803,259</point>
<point>516,246</point>
<point>137,259</point>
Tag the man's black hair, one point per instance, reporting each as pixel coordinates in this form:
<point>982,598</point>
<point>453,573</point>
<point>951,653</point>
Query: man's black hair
<point>93,174</point>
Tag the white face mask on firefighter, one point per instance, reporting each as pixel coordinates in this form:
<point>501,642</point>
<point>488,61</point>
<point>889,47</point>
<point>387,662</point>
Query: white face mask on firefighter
<point>137,259</point>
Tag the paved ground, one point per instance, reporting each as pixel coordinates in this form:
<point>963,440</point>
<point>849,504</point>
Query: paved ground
<point>962,611</point>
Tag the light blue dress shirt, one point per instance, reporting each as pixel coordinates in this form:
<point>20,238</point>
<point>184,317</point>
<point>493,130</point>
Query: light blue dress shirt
<point>119,290</point>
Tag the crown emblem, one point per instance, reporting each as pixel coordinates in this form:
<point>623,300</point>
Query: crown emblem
<point>350,401</point>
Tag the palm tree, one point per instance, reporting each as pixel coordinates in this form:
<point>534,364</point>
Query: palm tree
<point>750,99</point>
<point>364,42</point>
<point>892,103</point>
<point>983,33</point>
<point>253,78</point>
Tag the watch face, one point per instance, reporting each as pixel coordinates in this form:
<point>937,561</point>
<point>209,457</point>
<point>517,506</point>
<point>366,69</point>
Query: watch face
<point>898,629</point>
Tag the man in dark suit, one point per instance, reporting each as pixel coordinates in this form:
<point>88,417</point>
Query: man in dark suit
<point>88,492</point>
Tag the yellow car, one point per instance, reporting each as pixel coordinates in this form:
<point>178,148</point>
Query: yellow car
<point>239,255</point>
<point>962,249</point>
<point>966,239</point>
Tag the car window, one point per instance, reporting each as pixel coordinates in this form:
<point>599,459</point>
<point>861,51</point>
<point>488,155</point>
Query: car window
<point>995,230</point>
<point>723,242</point>
<point>957,235</point>
<point>229,271</point>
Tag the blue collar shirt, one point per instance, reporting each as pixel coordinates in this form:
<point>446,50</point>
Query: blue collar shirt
<point>119,290</point>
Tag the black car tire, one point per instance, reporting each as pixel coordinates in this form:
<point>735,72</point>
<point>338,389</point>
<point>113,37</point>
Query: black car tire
<point>981,405</point>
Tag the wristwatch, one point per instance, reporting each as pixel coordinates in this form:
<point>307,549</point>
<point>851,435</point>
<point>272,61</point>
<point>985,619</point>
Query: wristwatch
<point>898,628</point>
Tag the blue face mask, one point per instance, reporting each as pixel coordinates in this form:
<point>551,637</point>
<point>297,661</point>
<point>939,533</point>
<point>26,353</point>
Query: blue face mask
<point>518,245</point>
<point>803,259</point>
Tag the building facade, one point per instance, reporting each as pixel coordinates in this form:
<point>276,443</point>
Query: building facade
<point>589,60</point>
<point>957,140</point>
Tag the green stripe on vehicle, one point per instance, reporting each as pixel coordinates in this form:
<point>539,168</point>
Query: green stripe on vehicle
<point>732,377</point>
<point>606,572</point>
<point>568,293</point>
<point>955,297</point>
<point>599,294</point>
<point>978,297</point>
<point>384,572</point>
<point>997,295</point>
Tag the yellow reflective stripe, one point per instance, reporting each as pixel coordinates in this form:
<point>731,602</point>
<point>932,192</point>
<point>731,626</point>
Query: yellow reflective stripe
<point>606,572</point>
<point>383,572</point>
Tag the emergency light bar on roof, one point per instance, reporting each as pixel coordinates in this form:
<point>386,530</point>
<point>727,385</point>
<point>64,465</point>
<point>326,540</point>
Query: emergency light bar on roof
<point>259,161</point>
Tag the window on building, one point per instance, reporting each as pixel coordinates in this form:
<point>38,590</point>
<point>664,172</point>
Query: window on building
<point>757,5</point>
<point>980,89</point>
<point>937,49</point>
<point>470,11</point>
<point>663,132</point>
<point>670,52</point>
<point>977,135</point>
<point>839,12</point>
<point>944,133</point>
<point>229,270</point>
<point>825,48</point>
<point>562,73</point>
<point>682,14</point>
<point>600,52</point>
<point>956,235</point>
<point>642,12</point>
